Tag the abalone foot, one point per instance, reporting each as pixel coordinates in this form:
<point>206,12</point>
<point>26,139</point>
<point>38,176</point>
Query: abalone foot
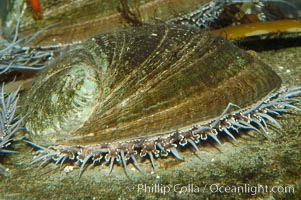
<point>257,118</point>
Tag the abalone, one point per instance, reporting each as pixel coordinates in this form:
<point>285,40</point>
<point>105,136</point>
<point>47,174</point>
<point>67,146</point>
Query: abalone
<point>146,90</point>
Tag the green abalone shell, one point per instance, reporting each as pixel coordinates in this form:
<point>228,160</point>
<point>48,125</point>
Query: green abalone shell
<point>139,82</point>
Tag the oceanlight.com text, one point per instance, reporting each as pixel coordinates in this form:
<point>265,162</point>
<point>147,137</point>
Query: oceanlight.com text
<point>214,188</point>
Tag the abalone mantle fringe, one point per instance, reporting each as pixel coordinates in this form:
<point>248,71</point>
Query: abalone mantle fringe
<point>255,118</point>
<point>269,106</point>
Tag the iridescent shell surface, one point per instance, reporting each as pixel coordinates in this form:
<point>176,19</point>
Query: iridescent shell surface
<point>141,82</point>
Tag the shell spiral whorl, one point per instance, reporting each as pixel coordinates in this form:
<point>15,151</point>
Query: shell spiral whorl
<point>121,91</point>
<point>71,99</point>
